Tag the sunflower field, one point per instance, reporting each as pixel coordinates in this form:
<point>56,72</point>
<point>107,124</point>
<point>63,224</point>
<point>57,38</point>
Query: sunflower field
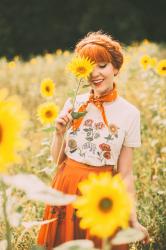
<point>32,94</point>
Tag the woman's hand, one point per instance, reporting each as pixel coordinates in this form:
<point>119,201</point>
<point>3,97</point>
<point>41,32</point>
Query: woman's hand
<point>138,226</point>
<point>62,122</point>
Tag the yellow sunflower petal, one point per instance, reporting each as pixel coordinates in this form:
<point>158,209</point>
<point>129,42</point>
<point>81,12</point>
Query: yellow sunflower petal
<point>104,205</point>
<point>47,88</point>
<point>13,119</point>
<point>81,67</point>
<point>47,112</point>
<point>161,67</point>
<point>145,61</point>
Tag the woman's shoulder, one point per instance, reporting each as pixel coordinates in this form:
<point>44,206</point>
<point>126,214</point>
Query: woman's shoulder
<point>127,106</point>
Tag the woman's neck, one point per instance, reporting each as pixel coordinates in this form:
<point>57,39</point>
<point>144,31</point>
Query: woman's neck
<point>102,93</point>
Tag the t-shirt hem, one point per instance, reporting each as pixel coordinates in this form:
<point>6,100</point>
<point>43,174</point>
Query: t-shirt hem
<point>133,145</point>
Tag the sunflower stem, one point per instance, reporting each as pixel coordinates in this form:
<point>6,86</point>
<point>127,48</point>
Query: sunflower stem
<point>63,139</point>
<point>106,245</point>
<point>4,208</point>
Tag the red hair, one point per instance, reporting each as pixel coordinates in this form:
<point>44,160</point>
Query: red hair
<point>100,47</point>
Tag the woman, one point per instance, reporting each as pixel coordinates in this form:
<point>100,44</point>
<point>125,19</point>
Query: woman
<point>102,140</point>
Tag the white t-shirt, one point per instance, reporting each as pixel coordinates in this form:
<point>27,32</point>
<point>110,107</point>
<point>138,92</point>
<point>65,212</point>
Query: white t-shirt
<point>96,144</point>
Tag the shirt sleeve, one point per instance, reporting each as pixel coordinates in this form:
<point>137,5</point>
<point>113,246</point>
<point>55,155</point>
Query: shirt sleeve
<point>133,133</point>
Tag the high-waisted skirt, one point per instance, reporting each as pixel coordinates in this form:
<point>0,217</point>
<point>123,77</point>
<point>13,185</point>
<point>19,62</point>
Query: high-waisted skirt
<point>66,226</point>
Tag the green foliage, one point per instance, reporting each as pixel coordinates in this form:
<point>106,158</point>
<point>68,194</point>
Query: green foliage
<point>34,26</point>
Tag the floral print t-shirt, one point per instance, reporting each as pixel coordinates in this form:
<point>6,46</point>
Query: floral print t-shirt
<point>94,143</point>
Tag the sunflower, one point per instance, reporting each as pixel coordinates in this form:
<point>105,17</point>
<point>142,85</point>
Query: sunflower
<point>47,88</point>
<point>145,61</point>
<point>153,62</point>
<point>58,52</point>
<point>11,65</point>
<point>104,206</point>
<point>47,112</point>
<point>12,123</point>
<point>161,67</point>
<point>81,67</point>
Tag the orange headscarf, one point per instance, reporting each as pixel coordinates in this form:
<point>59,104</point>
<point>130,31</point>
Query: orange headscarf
<point>98,102</point>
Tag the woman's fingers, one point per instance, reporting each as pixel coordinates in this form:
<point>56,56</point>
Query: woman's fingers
<point>62,122</point>
<point>146,239</point>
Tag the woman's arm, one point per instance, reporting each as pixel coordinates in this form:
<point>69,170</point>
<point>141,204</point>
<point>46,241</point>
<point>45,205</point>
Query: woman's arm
<point>125,169</point>
<point>58,143</point>
<point>56,147</point>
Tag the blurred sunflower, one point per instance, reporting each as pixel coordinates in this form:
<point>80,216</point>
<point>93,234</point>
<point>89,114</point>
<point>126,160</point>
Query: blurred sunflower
<point>47,112</point>
<point>47,88</point>
<point>11,65</point>
<point>161,67</point>
<point>58,52</point>
<point>81,67</point>
<point>153,62</point>
<point>33,61</point>
<point>145,61</point>
<point>12,123</point>
<point>104,205</point>
<point>66,53</point>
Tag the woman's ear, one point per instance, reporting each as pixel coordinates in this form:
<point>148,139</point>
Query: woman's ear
<point>116,72</point>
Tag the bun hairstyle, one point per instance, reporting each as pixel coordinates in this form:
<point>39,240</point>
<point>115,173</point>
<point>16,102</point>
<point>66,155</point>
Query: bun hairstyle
<point>100,47</point>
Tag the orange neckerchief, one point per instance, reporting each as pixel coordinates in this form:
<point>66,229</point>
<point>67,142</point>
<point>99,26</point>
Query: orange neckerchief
<point>98,102</point>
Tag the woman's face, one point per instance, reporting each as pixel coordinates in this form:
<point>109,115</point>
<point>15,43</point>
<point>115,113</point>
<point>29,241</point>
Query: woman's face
<point>102,77</point>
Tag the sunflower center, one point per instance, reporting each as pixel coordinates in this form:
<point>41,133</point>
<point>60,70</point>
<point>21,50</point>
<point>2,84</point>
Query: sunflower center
<point>1,133</point>
<point>164,68</point>
<point>81,70</point>
<point>47,88</point>
<point>48,114</point>
<point>105,204</point>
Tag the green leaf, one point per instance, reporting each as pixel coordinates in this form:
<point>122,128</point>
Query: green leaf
<point>86,86</point>
<point>19,209</point>
<point>127,236</point>
<point>77,115</point>
<point>76,245</point>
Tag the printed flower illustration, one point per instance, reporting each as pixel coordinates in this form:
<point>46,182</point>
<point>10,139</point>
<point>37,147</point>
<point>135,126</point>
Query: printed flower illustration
<point>113,129</point>
<point>88,122</point>
<point>99,125</point>
<point>104,147</point>
<point>107,155</point>
<point>72,145</point>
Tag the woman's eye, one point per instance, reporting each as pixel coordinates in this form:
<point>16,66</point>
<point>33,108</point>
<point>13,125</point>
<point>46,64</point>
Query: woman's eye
<point>102,65</point>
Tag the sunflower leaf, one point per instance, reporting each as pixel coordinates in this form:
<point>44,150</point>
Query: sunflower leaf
<point>77,115</point>
<point>76,245</point>
<point>37,190</point>
<point>127,236</point>
<point>3,244</point>
<point>85,85</point>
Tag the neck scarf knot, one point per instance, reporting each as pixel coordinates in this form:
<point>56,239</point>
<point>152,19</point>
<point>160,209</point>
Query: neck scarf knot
<point>98,102</point>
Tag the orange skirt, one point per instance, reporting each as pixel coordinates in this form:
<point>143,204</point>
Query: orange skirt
<point>66,226</point>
